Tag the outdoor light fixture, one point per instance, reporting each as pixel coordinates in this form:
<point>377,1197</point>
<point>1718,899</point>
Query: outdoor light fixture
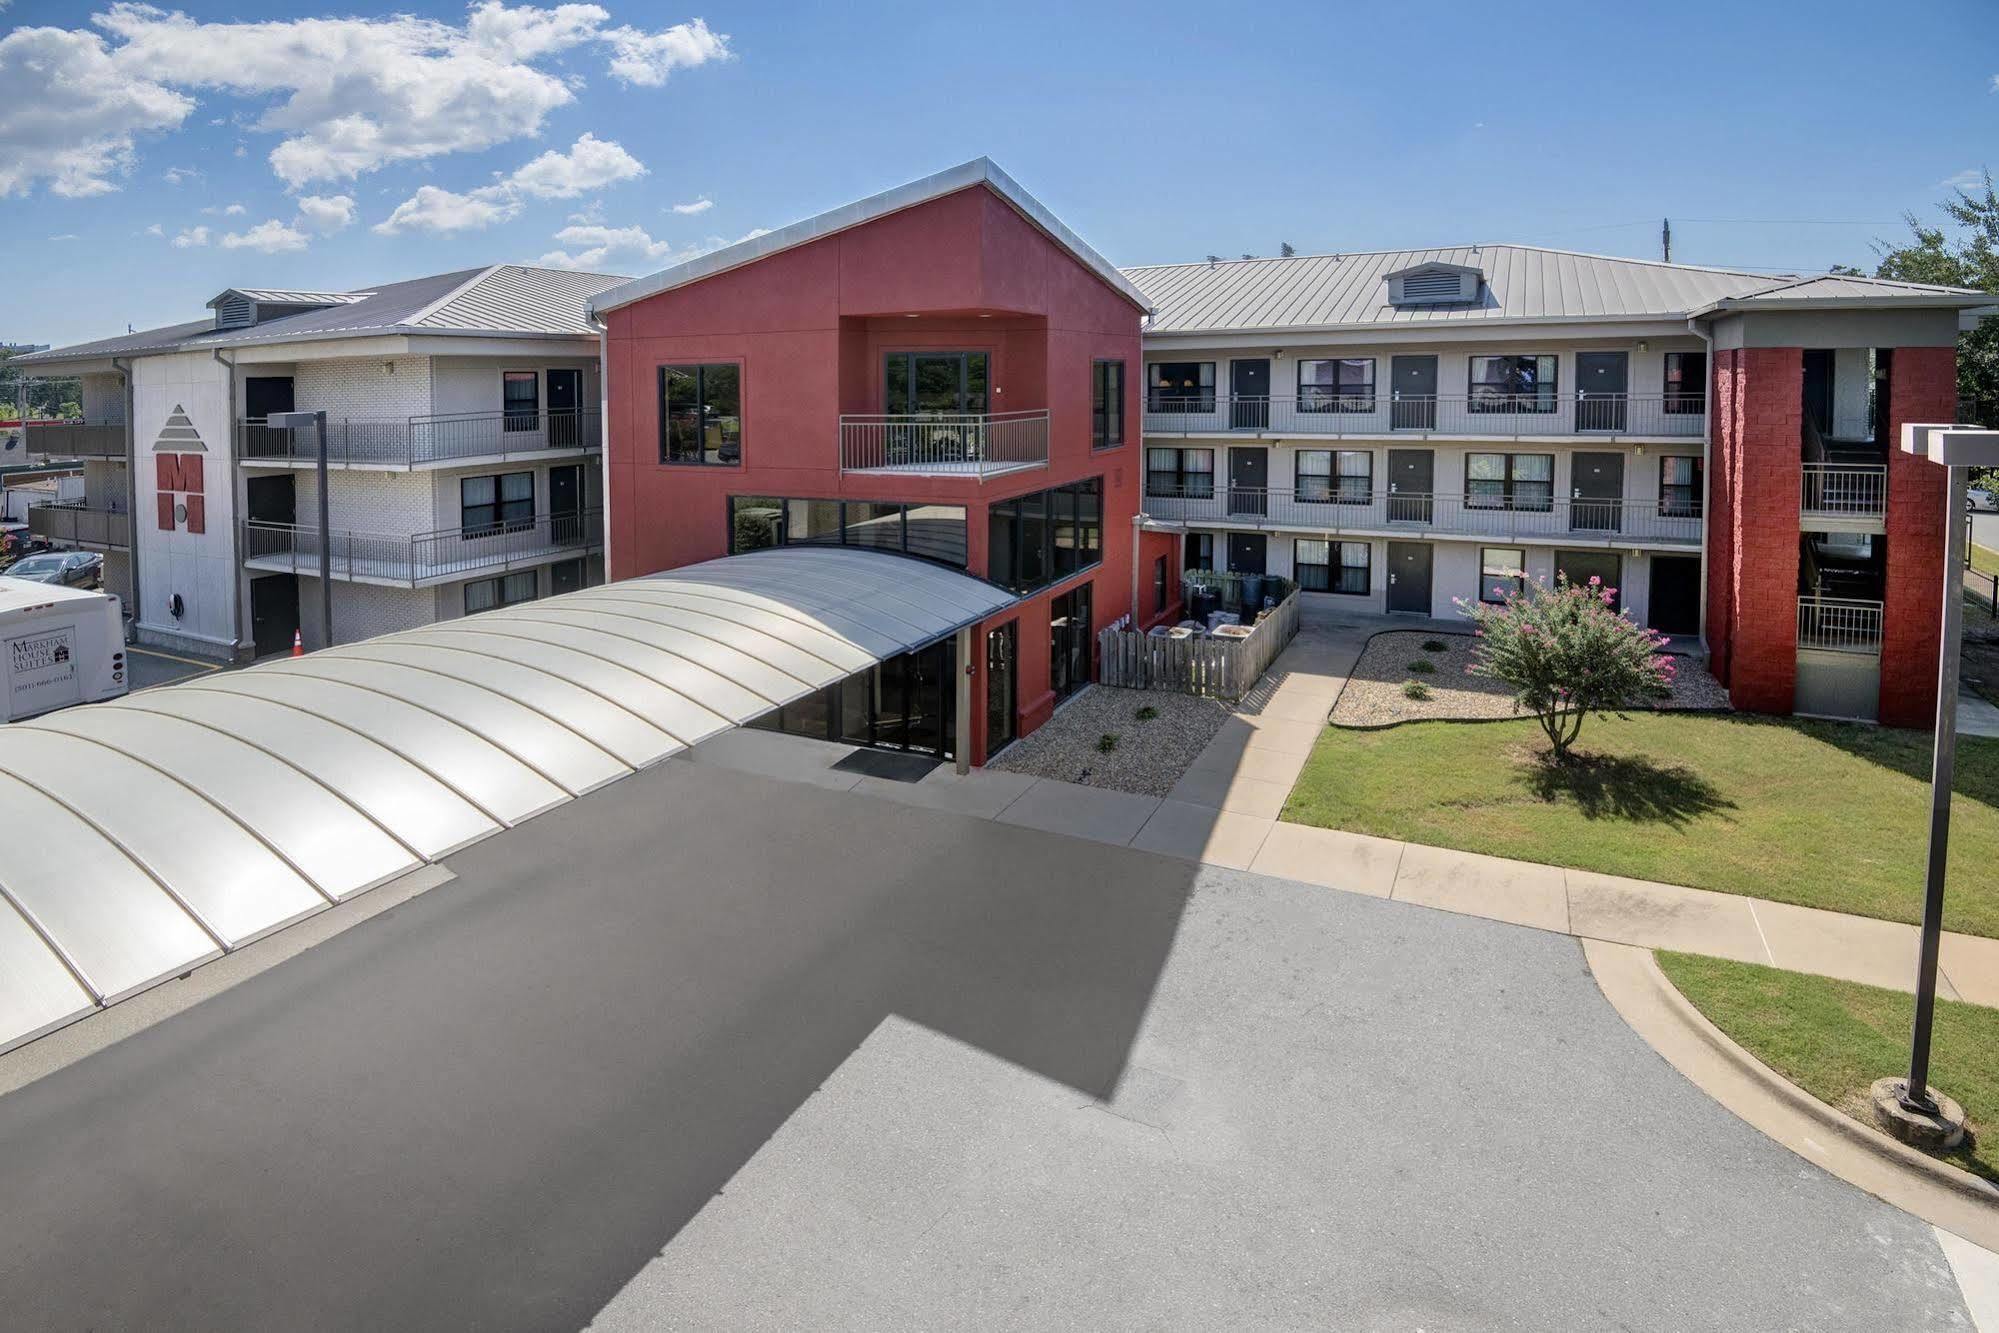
<point>1957,450</point>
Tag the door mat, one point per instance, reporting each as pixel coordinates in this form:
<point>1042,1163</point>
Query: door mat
<point>888,764</point>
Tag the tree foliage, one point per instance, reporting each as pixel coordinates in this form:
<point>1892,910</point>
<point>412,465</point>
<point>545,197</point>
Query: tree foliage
<point>1961,251</point>
<point>1567,654</point>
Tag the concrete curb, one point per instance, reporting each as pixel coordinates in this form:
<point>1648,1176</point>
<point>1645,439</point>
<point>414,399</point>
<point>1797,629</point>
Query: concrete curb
<point>1944,1195</point>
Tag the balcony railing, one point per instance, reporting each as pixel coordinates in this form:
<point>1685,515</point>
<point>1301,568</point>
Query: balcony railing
<point>977,444</point>
<point>77,523</point>
<point>1845,490</point>
<point>1497,415</point>
<point>77,439</point>
<point>1554,519</point>
<point>1840,625</point>
<point>405,442</point>
<point>426,557</point>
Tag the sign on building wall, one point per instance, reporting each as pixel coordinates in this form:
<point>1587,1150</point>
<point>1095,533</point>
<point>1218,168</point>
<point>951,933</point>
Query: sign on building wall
<point>178,475</point>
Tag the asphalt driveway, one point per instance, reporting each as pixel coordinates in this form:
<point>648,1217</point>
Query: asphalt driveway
<point>1000,1078</point>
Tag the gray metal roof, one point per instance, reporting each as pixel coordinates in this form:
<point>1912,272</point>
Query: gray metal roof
<point>1524,283</point>
<point>505,300</point>
<point>979,171</point>
<point>155,832</point>
<point>285,296</point>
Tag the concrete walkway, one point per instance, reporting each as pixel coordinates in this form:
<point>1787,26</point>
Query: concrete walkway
<point>1224,812</point>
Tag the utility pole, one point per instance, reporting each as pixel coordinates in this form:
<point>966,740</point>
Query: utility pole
<point>1666,240</point>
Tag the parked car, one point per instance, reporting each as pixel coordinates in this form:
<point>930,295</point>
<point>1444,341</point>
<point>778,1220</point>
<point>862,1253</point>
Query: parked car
<point>1981,497</point>
<point>70,569</point>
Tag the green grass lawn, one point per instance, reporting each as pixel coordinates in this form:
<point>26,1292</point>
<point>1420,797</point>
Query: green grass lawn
<point>1823,814</point>
<point>1834,1038</point>
<point>1984,559</point>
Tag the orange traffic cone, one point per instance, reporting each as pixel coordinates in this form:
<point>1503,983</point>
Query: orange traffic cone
<point>298,643</point>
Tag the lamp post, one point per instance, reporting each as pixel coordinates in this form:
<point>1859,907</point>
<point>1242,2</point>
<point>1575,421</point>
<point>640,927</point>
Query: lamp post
<point>1956,450</point>
<point>317,420</point>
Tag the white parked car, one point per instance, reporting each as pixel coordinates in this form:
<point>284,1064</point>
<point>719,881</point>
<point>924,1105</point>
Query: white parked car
<point>1981,497</point>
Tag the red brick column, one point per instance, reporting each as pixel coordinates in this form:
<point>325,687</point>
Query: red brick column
<point>1758,439</point>
<point>1724,404</point>
<point>1922,386</point>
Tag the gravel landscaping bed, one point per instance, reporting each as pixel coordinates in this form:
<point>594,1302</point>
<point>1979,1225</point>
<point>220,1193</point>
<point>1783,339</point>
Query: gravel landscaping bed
<point>1150,755</point>
<point>1373,695</point>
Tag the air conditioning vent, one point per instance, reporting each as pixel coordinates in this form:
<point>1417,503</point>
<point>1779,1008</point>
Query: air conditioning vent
<point>1431,287</point>
<point>235,312</point>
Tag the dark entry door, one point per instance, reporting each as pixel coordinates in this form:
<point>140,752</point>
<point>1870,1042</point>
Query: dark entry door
<point>265,394</point>
<point>1248,552</point>
<point>1409,577</point>
<point>272,499</point>
<point>1249,481</point>
<point>565,409</point>
<point>1249,385</point>
<point>1069,641</point>
<point>1676,594</point>
<point>1818,389</point>
<point>1002,686</point>
<point>273,612</point>
<point>1412,480</point>
<point>565,503</point>
<point>934,383</point>
<point>1413,384</point>
<point>1582,566</point>
<point>1602,383</point>
<point>1596,492</point>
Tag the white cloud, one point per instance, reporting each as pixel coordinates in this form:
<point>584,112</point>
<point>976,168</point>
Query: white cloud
<point>627,249</point>
<point>326,213</point>
<point>272,237</point>
<point>227,211</point>
<point>1971,178</point>
<point>176,175</point>
<point>154,229</point>
<point>70,114</point>
<point>190,238</point>
<point>589,164</point>
<point>647,58</point>
<point>65,236</point>
<point>701,205</point>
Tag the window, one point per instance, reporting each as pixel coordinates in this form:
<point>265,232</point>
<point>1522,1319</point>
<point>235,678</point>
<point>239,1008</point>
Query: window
<point>1335,476</point>
<point>1680,487</point>
<point>926,531</point>
<point>506,590</point>
<point>1501,570</point>
<point>1512,384</point>
<point>1686,383</point>
<point>1344,385</point>
<point>701,414</point>
<point>1510,481</point>
<point>1184,473</point>
<point>1200,550</point>
<point>492,504</point>
<point>568,575</point>
<point>1037,539</point>
<point>1330,566</point>
<point>1159,585</point>
<point>1106,404</point>
<point>520,396</point>
<point>1180,386</point>
<point>934,383</point>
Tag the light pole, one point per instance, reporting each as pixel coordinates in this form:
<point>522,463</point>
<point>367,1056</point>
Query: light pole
<point>1956,450</point>
<point>317,420</point>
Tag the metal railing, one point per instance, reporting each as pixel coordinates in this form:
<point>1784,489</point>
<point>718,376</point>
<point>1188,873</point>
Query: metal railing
<point>1491,415</point>
<point>402,442</point>
<point>1539,520</point>
<point>972,443</point>
<point>425,556</point>
<point>81,524</point>
<point>1840,625</point>
<point>1845,490</point>
<point>77,439</point>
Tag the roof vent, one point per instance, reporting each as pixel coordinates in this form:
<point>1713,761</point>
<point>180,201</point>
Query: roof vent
<point>235,311</point>
<point>1434,284</point>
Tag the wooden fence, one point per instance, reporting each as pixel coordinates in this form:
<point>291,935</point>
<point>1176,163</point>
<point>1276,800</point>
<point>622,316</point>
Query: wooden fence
<point>1218,668</point>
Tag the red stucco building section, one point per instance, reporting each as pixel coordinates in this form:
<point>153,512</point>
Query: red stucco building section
<point>1922,386</point>
<point>1753,530</point>
<point>810,326</point>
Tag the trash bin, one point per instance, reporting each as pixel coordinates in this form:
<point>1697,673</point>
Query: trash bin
<point>1252,593</point>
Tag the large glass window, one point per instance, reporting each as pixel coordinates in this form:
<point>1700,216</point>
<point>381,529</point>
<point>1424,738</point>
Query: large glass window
<point>1036,539</point>
<point>1512,384</point>
<point>1183,473</point>
<point>927,531</point>
<point>520,394</point>
<point>1510,481</point>
<point>1680,487</point>
<point>491,504</point>
<point>1106,404</point>
<point>1200,550</point>
<point>1501,570</point>
<point>506,590</point>
<point>1342,385</point>
<point>1330,566</point>
<point>1686,383</point>
<point>1071,641</point>
<point>934,383</point>
<point>1335,476</point>
<point>1180,386</point>
<point>701,413</point>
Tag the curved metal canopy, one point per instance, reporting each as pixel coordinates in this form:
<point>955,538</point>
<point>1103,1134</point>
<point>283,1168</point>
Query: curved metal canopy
<point>148,835</point>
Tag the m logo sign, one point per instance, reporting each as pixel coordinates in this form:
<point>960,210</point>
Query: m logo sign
<point>178,475</point>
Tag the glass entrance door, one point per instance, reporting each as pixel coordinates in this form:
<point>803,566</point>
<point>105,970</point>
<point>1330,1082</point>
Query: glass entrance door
<point>1069,642</point>
<point>1001,686</point>
<point>934,383</point>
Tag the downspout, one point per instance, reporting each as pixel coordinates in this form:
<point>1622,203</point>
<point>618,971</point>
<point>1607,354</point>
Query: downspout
<point>124,369</point>
<point>235,510</point>
<point>1707,470</point>
<point>604,432</point>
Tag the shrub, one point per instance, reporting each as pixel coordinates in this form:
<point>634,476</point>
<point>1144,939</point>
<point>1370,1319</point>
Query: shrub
<point>1415,689</point>
<point>1567,654</point>
<point>1435,646</point>
<point>1422,666</point>
<point>1107,742</point>
<point>1146,713</point>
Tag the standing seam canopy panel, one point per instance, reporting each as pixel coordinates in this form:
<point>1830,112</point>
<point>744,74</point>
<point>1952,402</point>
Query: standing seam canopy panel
<point>37,993</point>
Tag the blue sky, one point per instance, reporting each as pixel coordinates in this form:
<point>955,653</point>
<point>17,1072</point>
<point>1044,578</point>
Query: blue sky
<point>355,147</point>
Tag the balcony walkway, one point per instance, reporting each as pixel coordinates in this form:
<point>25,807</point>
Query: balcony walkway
<point>424,559</point>
<point>407,444</point>
<point>975,445</point>
<point>1557,521</point>
<point>1554,418</point>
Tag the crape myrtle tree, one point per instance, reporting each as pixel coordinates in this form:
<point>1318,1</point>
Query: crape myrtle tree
<point>1567,654</point>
